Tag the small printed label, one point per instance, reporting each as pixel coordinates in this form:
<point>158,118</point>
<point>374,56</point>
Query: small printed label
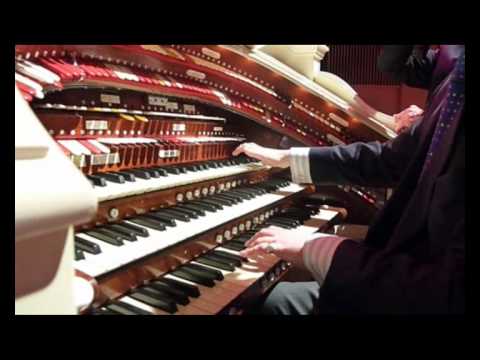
<point>157,100</point>
<point>110,99</point>
<point>178,127</point>
<point>99,159</point>
<point>96,125</point>
<point>79,160</point>
<point>196,74</point>
<point>189,108</point>
<point>211,53</point>
<point>171,106</point>
<point>113,158</point>
<point>168,153</point>
<point>334,139</point>
<point>218,128</point>
<point>338,119</point>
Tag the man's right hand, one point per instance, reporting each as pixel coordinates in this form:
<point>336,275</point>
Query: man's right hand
<point>268,156</point>
<point>406,117</point>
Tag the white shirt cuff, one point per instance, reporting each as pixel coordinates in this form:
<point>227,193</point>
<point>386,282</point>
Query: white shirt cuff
<point>300,165</point>
<point>318,253</point>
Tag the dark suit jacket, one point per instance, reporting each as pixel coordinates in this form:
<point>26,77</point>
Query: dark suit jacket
<point>412,260</point>
<point>416,65</point>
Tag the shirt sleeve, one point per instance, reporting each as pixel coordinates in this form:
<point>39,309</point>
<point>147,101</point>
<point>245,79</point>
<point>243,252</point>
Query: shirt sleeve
<point>318,253</point>
<point>300,165</point>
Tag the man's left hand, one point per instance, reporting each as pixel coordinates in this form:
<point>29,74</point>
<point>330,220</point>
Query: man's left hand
<point>286,244</point>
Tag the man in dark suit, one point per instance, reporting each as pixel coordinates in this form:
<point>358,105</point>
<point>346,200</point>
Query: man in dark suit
<point>412,260</point>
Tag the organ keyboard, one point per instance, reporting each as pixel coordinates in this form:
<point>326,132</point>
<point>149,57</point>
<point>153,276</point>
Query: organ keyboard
<point>151,129</point>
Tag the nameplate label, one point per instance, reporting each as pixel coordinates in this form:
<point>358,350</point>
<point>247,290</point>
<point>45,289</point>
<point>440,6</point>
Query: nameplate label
<point>157,100</point>
<point>96,125</point>
<point>335,140</point>
<point>338,119</point>
<point>113,158</point>
<point>110,99</point>
<point>171,106</point>
<point>218,128</point>
<point>168,153</point>
<point>178,127</point>
<point>189,108</point>
<point>196,74</point>
<point>99,159</point>
<point>211,53</point>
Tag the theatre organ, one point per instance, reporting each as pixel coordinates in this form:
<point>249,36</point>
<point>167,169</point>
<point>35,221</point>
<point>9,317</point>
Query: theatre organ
<point>162,208</point>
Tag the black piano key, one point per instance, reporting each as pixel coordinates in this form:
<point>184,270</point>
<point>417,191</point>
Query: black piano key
<point>79,255</point>
<point>125,236</point>
<point>212,165</point>
<point>86,249</point>
<point>236,199</point>
<point>139,231</point>
<point>152,172</point>
<point>87,245</point>
<point>97,180</point>
<point>284,221</point>
<point>280,225</point>
<point>235,245</point>
<point>215,263</point>
<point>172,170</point>
<point>190,290</point>
<point>195,213</point>
<point>103,311</point>
<point>190,213</point>
<point>211,202</point>
<point>119,179</point>
<point>168,220</point>
<point>126,309</point>
<point>188,275</point>
<point>148,222</point>
<point>168,306</point>
<point>128,234</point>
<point>160,171</point>
<point>202,167</point>
<point>213,272</point>
<point>179,215</point>
<point>221,201</point>
<point>193,168</point>
<point>105,238</point>
<point>243,239</point>
<point>183,169</point>
<point>204,207</point>
<point>229,255</point>
<point>110,233</point>
<point>178,295</point>
<point>156,294</point>
<point>242,194</point>
<point>142,174</point>
<point>127,175</point>
<point>202,271</point>
<point>196,209</point>
<point>230,261</point>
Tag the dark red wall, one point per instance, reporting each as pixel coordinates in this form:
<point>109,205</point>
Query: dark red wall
<point>357,64</point>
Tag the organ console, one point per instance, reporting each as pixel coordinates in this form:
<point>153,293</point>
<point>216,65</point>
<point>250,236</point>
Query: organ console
<point>138,206</point>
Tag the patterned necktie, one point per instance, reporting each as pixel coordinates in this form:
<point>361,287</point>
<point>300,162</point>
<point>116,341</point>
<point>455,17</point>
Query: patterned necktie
<point>454,103</point>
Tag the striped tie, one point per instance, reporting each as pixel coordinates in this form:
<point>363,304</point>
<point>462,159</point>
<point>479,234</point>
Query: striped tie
<point>454,103</point>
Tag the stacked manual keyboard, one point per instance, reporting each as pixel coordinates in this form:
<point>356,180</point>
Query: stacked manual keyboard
<point>211,282</point>
<point>128,182</point>
<point>105,248</point>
